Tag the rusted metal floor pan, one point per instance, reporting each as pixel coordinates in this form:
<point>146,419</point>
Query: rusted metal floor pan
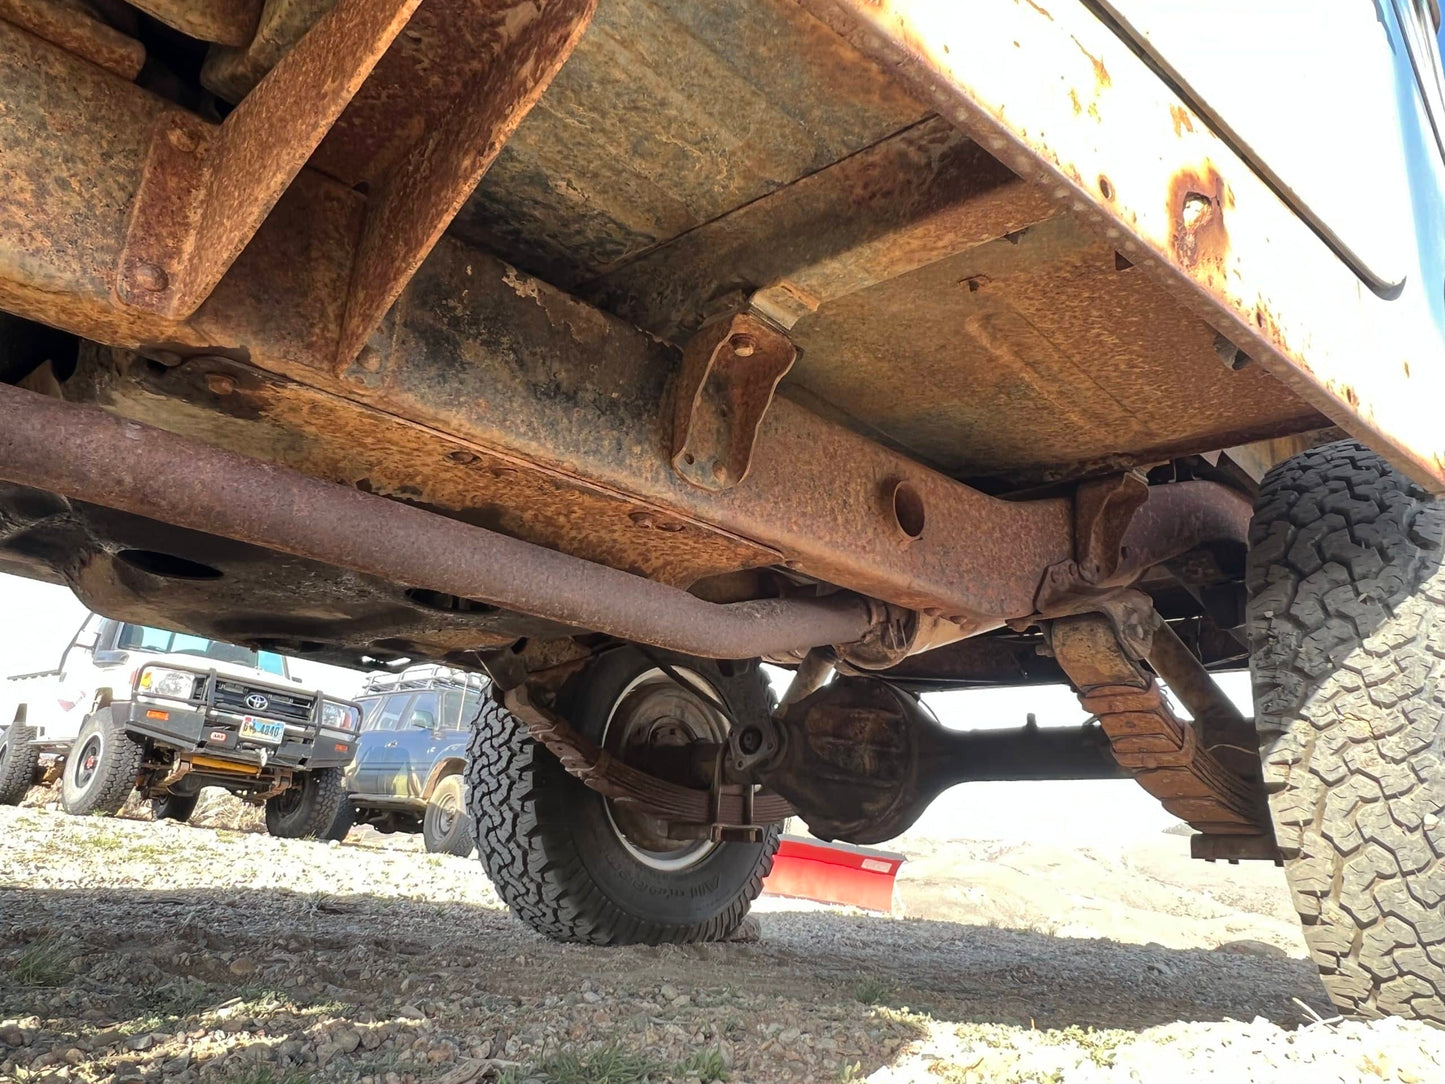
<point>939,302</point>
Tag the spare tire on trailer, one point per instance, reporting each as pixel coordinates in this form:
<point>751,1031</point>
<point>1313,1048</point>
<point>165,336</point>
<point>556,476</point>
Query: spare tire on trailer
<point>577,867</point>
<point>1346,620</point>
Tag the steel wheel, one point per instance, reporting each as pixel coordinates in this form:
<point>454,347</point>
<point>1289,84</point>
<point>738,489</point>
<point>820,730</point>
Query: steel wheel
<point>578,867</point>
<point>88,760</point>
<point>655,709</point>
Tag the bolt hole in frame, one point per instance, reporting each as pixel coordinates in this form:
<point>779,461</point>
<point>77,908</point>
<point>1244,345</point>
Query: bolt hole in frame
<point>908,511</point>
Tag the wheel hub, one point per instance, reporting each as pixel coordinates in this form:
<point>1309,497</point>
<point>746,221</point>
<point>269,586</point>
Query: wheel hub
<point>89,758</point>
<point>446,814</point>
<point>656,710</point>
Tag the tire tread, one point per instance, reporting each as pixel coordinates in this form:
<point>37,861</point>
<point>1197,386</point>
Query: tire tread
<point>326,791</point>
<point>17,768</point>
<point>1347,643</point>
<point>534,866</point>
<point>117,771</point>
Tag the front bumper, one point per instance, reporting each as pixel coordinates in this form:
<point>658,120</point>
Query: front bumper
<point>217,734</point>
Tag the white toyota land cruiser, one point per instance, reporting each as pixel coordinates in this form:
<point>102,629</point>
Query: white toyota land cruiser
<point>134,707</point>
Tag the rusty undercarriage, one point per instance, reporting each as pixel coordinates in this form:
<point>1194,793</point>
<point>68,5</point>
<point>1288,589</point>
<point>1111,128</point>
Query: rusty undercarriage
<point>497,333</point>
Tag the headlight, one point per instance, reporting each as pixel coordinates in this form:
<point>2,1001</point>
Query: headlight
<point>172,684</point>
<point>338,716</point>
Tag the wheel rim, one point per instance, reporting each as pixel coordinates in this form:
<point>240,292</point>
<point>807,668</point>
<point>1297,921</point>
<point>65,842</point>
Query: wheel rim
<point>655,709</point>
<point>88,761</point>
<point>446,815</point>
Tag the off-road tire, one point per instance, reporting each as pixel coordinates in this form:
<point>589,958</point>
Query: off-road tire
<point>1346,620</point>
<point>546,839</point>
<point>341,825</point>
<point>441,836</point>
<point>174,807</point>
<point>18,763</point>
<point>308,810</point>
<point>104,786</point>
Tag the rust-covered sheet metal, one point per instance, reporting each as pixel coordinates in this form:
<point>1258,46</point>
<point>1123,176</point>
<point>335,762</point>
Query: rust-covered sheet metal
<point>246,410</point>
<point>226,22</point>
<point>417,197</point>
<point>507,366</point>
<point>501,362</point>
<point>912,199</point>
<point>78,31</point>
<point>206,189</point>
<point>1053,92</point>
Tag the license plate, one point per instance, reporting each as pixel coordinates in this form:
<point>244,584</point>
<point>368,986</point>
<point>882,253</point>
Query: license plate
<point>262,729</point>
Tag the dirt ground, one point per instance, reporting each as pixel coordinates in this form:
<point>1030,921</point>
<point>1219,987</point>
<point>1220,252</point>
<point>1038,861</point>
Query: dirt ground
<point>135,951</point>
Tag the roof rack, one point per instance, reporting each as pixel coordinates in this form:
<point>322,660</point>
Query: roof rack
<point>424,676</point>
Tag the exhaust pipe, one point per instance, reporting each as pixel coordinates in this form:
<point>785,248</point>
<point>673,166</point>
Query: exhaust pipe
<point>87,454</point>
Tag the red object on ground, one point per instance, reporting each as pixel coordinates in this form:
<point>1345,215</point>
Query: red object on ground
<point>834,873</point>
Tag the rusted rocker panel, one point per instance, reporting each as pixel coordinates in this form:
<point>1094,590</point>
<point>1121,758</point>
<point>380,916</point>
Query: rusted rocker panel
<point>1125,149</point>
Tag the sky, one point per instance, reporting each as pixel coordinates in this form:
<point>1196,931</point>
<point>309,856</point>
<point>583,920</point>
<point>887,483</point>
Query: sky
<point>38,619</point>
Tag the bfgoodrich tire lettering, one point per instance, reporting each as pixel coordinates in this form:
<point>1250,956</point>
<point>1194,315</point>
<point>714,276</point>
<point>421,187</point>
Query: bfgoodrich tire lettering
<point>1347,638</point>
<point>552,851</point>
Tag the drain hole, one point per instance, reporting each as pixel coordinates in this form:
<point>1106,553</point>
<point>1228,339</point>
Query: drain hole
<point>168,565</point>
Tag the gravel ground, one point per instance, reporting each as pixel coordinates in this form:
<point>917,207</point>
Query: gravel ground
<point>133,951</point>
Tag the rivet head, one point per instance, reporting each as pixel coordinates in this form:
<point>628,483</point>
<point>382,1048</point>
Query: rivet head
<point>150,277</point>
<point>220,383</point>
<point>744,346</point>
<point>462,456</point>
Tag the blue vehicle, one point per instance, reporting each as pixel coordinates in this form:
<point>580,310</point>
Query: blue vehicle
<point>408,773</point>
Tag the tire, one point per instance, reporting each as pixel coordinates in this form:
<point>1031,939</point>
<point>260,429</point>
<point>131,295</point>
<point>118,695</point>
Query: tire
<point>1346,621</point>
<point>554,850</point>
<point>308,809</point>
<point>446,828</point>
<point>341,825</point>
<point>174,807</point>
<point>18,763</point>
<point>100,769</point>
